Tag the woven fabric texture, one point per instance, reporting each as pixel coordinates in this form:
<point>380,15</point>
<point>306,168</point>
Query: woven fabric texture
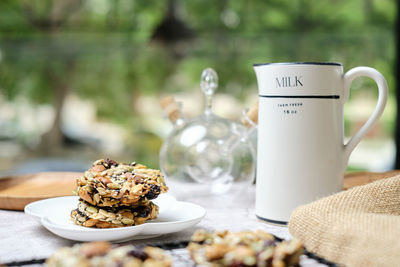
<point>358,227</point>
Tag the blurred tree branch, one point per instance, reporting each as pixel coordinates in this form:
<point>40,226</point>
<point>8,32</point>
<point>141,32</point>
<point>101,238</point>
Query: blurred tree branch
<point>56,15</point>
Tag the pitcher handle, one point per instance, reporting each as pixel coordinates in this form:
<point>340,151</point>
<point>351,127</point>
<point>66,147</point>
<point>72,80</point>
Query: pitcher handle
<point>380,106</point>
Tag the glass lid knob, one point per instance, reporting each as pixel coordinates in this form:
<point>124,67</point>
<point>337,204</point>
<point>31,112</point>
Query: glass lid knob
<point>209,81</point>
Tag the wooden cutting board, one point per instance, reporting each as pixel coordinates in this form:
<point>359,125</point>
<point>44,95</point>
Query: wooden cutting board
<point>362,178</point>
<point>18,191</point>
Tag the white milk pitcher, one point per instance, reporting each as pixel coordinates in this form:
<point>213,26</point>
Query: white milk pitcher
<point>301,151</point>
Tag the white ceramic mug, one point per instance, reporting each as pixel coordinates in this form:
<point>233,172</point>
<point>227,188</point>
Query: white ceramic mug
<point>301,151</point>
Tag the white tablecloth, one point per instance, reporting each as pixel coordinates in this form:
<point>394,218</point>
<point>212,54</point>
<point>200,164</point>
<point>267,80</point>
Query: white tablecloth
<point>23,238</point>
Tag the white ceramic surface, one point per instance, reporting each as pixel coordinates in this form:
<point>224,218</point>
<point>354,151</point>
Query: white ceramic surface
<point>301,151</point>
<point>174,216</point>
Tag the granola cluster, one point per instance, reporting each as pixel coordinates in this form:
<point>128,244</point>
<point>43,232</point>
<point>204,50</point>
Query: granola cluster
<point>246,248</point>
<point>101,217</point>
<point>115,194</point>
<point>103,254</point>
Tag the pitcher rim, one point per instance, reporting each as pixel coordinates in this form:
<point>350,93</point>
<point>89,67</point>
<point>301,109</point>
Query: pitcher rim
<point>299,63</point>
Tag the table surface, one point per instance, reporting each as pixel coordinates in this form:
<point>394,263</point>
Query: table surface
<point>22,238</point>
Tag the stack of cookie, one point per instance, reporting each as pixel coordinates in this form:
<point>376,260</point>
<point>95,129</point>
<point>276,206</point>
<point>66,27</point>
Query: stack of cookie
<point>117,195</point>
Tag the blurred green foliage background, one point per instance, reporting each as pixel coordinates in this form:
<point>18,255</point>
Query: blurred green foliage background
<point>122,55</point>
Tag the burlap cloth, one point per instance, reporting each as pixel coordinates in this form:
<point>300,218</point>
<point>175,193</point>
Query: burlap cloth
<point>358,227</point>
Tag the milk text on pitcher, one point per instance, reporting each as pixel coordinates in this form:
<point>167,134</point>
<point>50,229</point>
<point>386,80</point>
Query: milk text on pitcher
<point>288,81</point>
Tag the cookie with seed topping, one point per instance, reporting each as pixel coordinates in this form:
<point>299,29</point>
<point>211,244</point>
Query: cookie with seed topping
<point>108,183</point>
<point>104,254</point>
<point>245,248</point>
<point>112,217</point>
